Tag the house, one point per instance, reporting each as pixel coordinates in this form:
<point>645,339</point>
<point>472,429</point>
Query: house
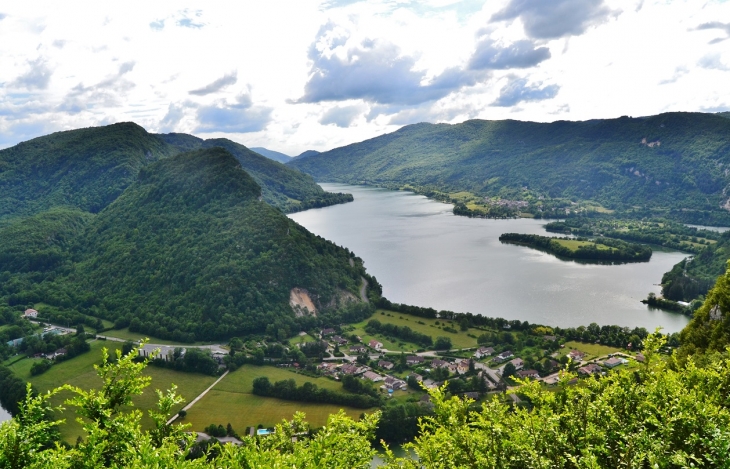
<point>414,360</point>
<point>550,338</point>
<point>430,384</point>
<point>374,377</point>
<point>416,376</point>
<point>385,364</point>
<point>60,352</point>
<point>576,355</point>
<point>30,313</point>
<point>640,357</point>
<point>339,340</point>
<point>328,331</point>
<point>358,349</point>
<point>507,354</point>
<point>375,344</point>
<point>589,369</point>
<point>528,374</point>
<point>463,367</point>
<point>483,352</point>
<point>439,363</point>
<point>349,369</point>
<point>470,395</point>
<point>394,383</point>
<point>518,363</point>
<point>613,362</point>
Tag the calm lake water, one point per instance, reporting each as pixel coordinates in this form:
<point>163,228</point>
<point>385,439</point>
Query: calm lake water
<point>424,255</point>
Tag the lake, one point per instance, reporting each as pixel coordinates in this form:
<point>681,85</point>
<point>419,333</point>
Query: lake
<point>424,255</point>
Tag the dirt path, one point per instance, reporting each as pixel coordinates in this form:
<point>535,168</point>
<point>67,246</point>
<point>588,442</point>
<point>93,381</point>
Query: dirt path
<point>363,290</point>
<point>198,398</point>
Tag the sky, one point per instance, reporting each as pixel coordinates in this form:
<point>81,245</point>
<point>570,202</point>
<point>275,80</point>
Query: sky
<point>318,74</point>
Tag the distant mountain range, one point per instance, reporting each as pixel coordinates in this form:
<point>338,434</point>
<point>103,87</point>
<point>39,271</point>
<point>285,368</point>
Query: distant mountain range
<point>173,236</point>
<point>281,157</point>
<point>274,155</point>
<point>674,160</point>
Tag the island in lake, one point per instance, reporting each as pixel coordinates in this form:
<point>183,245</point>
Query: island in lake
<point>582,248</point>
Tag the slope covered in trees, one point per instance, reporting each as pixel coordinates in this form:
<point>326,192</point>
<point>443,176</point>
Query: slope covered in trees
<point>271,154</point>
<point>283,187</point>
<point>188,251</point>
<point>709,329</point>
<point>84,168</point>
<point>672,160</point>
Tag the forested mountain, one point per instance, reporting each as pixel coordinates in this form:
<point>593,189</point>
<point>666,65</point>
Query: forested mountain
<point>188,251</point>
<point>671,160</point>
<point>271,154</point>
<point>283,187</point>
<point>305,154</point>
<point>709,329</point>
<point>84,168</point>
<point>695,276</point>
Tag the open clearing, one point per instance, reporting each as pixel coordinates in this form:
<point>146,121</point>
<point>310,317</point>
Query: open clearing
<point>79,371</point>
<point>459,339</point>
<point>595,350</point>
<point>573,245</point>
<point>232,401</point>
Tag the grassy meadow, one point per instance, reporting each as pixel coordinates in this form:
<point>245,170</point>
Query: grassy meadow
<point>232,401</point>
<point>459,339</point>
<point>79,371</point>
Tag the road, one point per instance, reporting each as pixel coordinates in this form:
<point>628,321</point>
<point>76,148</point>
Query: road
<point>187,407</point>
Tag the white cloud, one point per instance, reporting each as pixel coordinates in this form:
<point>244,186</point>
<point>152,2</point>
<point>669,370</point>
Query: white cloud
<point>358,68</point>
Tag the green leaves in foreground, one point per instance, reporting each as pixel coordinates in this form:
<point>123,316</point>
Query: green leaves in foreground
<point>656,417</point>
<point>663,415</point>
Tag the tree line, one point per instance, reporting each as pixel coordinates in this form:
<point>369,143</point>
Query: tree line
<point>287,389</point>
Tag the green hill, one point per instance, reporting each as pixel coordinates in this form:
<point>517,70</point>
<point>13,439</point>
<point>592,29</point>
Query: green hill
<point>271,154</point>
<point>85,168</point>
<point>283,187</point>
<point>188,251</point>
<point>672,160</point>
<point>709,329</point>
<point>695,276</point>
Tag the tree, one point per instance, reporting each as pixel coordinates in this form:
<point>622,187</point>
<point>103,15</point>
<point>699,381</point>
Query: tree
<point>509,370</point>
<point>442,343</point>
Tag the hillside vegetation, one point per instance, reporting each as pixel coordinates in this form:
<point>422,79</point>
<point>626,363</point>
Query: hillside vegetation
<point>86,168</point>
<point>663,162</point>
<point>188,252</point>
<point>281,186</point>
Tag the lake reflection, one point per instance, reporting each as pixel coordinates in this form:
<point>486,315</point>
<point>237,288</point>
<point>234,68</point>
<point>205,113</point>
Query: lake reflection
<point>424,255</point>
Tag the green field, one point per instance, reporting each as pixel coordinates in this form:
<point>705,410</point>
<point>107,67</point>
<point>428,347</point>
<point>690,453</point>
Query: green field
<point>231,401</point>
<point>573,245</point>
<point>593,350</point>
<point>459,339</point>
<point>80,372</point>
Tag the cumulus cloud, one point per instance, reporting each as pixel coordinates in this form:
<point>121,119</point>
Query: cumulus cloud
<point>240,117</point>
<point>518,90</point>
<point>106,92</point>
<point>377,72</point>
<point>341,116</point>
<point>679,72</point>
<point>37,77</point>
<point>158,25</point>
<point>520,54</point>
<point>59,43</point>
<point>217,85</point>
<point>175,113</point>
<point>187,19</point>
<point>3,16</point>
<point>556,18</point>
<point>712,62</point>
<point>725,27</point>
